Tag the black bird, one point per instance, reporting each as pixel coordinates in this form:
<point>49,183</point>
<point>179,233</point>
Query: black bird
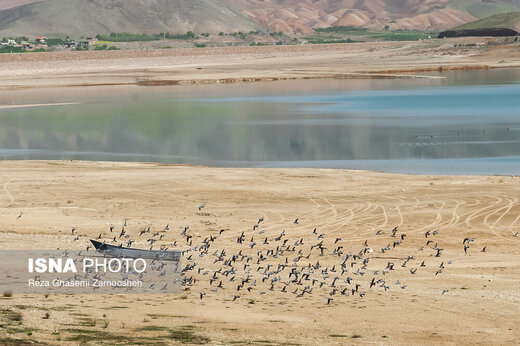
<point>296,221</point>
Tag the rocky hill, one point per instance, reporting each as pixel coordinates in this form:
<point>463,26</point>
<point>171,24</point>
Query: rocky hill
<point>304,15</point>
<point>90,17</point>
<point>505,21</point>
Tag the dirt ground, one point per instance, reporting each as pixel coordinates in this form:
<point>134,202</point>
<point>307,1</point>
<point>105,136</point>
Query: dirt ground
<point>253,64</point>
<point>473,299</point>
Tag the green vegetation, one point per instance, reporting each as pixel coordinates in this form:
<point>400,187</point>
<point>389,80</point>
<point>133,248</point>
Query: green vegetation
<point>55,41</point>
<point>10,315</point>
<point>187,336</point>
<point>402,35</point>
<point>190,35</point>
<point>327,40</point>
<point>183,334</point>
<point>238,34</point>
<point>343,29</point>
<point>17,38</point>
<point>127,37</point>
<point>387,35</point>
<point>258,44</point>
<point>105,47</point>
<point>19,50</point>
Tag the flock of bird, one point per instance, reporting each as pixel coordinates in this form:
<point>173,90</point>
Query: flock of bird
<point>257,261</point>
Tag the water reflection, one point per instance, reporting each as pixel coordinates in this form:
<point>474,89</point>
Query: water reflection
<point>468,122</point>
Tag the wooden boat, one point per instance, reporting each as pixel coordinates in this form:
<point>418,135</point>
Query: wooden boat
<point>127,252</point>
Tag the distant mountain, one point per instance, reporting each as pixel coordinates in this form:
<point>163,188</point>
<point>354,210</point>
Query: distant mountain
<point>304,15</point>
<point>90,17</point>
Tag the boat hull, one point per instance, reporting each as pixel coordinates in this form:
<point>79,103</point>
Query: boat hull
<point>126,252</point>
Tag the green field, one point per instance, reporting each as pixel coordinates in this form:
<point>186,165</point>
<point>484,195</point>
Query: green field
<point>336,33</point>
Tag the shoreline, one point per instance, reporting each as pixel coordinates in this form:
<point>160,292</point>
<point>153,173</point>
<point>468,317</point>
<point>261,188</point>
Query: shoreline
<point>225,65</point>
<point>154,164</point>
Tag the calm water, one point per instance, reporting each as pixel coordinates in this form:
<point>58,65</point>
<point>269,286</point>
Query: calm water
<point>464,123</point>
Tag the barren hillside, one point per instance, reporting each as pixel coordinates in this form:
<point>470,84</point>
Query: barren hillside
<point>86,17</point>
<point>290,16</point>
<point>301,16</point>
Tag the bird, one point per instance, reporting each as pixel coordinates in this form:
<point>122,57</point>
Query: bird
<point>445,291</point>
<point>483,249</point>
<point>468,240</point>
<point>295,221</point>
<point>19,215</point>
<point>201,206</point>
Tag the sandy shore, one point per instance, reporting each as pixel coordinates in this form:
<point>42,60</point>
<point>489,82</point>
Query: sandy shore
<point>481,305</point>
<point>250,64</point>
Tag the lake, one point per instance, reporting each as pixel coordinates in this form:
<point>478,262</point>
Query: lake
<point>462,122</point>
